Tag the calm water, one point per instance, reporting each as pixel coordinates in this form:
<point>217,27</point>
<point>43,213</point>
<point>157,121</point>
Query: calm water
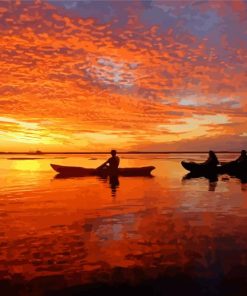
<point>65,232</point>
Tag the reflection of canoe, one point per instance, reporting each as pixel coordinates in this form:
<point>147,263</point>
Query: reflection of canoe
<point>210,177</point>
<point>80,171</point>
<point>199,169</point>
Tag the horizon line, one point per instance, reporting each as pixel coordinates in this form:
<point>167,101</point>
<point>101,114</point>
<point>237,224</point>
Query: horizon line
<point>119,152</point>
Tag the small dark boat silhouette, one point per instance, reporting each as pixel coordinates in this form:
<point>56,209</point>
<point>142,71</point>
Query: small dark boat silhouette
<point>231,168</point>
<point>234,168</point>
<point>200,169</point>
<point>80,171</point>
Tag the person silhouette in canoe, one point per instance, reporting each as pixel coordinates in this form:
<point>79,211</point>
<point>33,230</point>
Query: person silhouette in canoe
<point>212,159</point>
<point>236,166</point>
<point>111,164</point>
<point>242,158</point>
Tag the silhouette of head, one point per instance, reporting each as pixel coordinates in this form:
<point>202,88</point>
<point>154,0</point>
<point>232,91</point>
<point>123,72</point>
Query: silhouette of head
<point>113,152</point>
<point>211,153</point>
<point>243,152</point>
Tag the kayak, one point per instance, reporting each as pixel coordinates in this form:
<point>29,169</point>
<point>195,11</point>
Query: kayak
<point>234,168</point>
<point>200,169</point>
<point>73,171</point>
<point>231,168</point>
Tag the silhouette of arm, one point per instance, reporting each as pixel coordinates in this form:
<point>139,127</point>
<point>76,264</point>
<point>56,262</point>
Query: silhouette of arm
<point>103,164</point>
<point>239,159</point>
<point>207,161</point>
<point>212,161</point>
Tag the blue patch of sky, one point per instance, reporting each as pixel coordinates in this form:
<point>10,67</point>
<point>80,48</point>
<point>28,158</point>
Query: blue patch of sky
<point>183,17</point>
<point>102,11</point>
<point>156,16</point>
<point>201,23</point>
<point>188,102</point>
<point>232,103</point>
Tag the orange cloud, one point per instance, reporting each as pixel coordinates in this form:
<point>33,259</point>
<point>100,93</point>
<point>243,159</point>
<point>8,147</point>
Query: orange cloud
<point>96,83</point>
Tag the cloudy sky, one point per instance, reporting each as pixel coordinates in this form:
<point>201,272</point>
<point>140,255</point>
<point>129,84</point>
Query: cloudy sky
<point>131,75</point>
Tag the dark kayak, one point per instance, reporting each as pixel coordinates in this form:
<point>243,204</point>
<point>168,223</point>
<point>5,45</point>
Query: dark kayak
<point>234,168</point>
<point>80,171</point>
<point>231,168</point>
<point>200,169</point>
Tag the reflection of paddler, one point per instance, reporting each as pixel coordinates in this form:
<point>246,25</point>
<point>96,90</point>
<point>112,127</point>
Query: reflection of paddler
<point>111,164</point>
<point>114,183</point>
<point>212,182</point>
<point>212,186</point>
<point>243,180</point>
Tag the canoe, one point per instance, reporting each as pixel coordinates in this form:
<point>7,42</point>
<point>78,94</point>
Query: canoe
<point>200,169</point>
<point>231,168</point>
<point>234,168</point>
<point>73,171</point>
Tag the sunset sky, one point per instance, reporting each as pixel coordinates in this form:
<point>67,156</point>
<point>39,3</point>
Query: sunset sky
<point>130,75</point>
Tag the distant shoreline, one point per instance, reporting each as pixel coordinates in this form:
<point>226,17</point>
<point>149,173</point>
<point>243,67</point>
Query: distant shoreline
<point>122,152</point>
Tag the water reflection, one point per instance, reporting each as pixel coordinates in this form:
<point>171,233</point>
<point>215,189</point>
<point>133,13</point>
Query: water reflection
<point>114,184</point>
<point>113,181</point>
<point>243,181</point>
<point>212,179</point>
<point>155,226</point>
<point>28,165</point>
<point>212,185</point>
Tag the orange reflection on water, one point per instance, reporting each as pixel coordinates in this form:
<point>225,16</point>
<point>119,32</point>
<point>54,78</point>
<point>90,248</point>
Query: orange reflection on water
<point>27,165</point>
<point>77,229</point>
